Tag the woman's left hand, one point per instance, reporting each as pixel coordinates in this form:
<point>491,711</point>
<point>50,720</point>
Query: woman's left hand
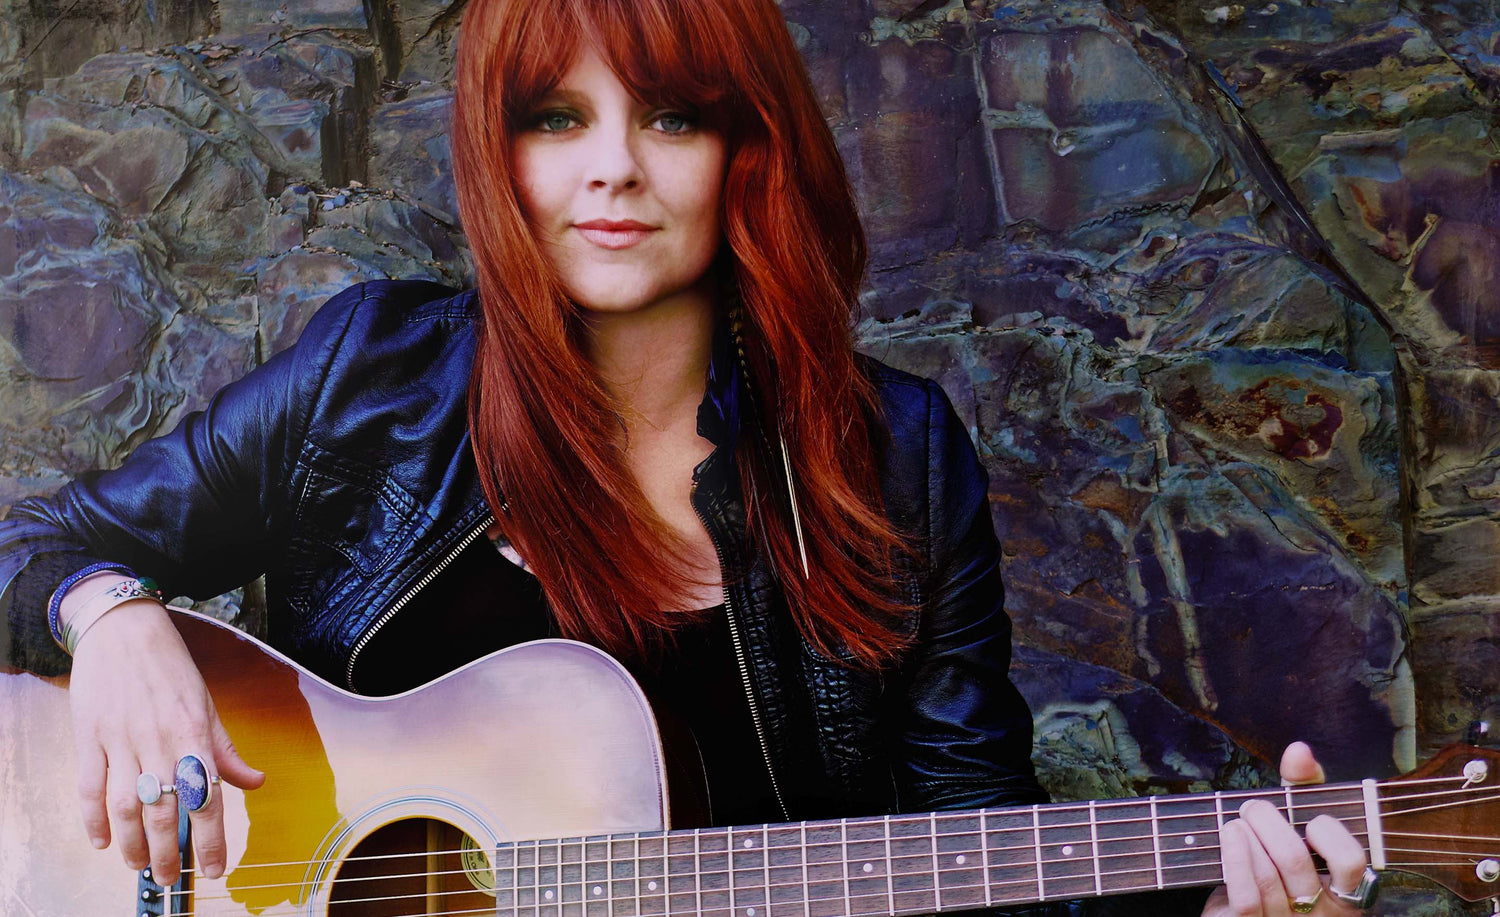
<point>1267,864</point>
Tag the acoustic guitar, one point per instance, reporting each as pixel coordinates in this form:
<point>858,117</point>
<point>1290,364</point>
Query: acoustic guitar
<point>530,783</point>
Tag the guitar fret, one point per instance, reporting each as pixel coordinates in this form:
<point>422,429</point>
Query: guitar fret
<point>1188,835</point>
<point>784,853</point>
<point>937,890</point>
<point>913,879</point>
<point>958,852</point>
<point>1094,842</point>
<point>1156,844</point>
<point>682,878</point>
<point>1127,846</point>
<point>984,858</point>
<point>1036,831</point>
<point>698,862</point>
<point>868,855</point>
<point>844,840</point>
<point>825,869</point>
<point>715,881</point>
<point>570,892</point>
<point>549,868</point>
<point>807,889</point>
<point>890,885</point>
<point>600,896</point>
<point>1067,853</point>
<point>504,861</point>
<point>527,884</point>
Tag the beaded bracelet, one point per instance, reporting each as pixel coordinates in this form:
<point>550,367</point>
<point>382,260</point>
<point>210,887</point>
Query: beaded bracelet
<point>55,605</point>
<point>113,596</point>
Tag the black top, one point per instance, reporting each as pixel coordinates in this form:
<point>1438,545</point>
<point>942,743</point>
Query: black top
<point>483,602</point>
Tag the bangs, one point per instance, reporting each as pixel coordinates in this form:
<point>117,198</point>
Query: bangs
<point>665,52</point>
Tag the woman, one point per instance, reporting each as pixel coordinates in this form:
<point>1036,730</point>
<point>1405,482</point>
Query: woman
<point>650,408</point>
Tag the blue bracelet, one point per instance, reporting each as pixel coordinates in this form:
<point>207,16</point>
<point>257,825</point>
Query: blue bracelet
<point>55,605</point>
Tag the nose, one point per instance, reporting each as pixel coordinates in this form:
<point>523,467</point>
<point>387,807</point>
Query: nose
<point>614,162</point>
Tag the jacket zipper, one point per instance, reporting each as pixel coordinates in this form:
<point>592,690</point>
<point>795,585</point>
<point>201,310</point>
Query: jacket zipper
<point>400,603</point>
<point>744,666</point>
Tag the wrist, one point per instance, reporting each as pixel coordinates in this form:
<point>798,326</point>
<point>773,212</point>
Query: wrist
<point>93,597</point>
<point>68,595</point>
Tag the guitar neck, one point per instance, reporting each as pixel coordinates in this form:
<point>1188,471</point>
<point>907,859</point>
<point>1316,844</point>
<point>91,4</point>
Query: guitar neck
<point>899,864</point>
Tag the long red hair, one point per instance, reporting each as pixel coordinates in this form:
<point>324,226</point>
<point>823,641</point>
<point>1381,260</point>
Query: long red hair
<point>545,431</point>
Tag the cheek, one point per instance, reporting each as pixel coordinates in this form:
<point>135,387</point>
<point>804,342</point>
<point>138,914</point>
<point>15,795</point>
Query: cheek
<point>532,182</point>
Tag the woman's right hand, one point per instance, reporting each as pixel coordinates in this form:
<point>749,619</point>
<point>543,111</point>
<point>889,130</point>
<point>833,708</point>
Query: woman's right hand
<point>139,704</point>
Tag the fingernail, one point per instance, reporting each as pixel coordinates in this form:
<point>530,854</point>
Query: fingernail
<point>98,842</point>
<point>212,872</point>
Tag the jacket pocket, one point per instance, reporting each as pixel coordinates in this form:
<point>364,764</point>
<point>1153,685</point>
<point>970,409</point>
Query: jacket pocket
<point>349,523</point>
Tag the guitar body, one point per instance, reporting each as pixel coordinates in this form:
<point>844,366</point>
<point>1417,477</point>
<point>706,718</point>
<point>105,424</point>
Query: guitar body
<point>545,739</point>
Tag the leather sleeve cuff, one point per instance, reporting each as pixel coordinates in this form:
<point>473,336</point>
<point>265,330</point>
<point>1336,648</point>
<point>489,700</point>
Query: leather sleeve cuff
<point>25,604</point>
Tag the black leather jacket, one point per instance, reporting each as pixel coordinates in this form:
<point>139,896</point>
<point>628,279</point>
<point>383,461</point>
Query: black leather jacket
<point>342,470</point>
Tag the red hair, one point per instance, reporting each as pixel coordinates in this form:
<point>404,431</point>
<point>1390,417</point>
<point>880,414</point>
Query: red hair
<point>545,431</point>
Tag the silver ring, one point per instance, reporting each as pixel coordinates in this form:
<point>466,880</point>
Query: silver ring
<point>149,789</point>
<point>1364,893</point>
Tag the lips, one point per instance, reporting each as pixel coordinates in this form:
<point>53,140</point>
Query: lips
<point>614,234</point>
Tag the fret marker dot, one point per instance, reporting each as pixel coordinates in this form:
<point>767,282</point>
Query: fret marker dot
<point>749,842</point>
<point>750,911</point>
<point>598,890</point>
<point>959,859</point>
<point>1190,840</point>
<point>651,885</point>
<point>1067,850</point>
<point>547,894</point>
<point>869,867</point>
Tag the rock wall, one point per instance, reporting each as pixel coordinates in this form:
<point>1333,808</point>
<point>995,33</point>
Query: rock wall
<point>1207,282</point>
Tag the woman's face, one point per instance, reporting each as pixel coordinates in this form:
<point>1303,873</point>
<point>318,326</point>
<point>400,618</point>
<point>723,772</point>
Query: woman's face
<point>623,195</point>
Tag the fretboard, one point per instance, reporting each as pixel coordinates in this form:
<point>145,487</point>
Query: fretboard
<point>898,864</point>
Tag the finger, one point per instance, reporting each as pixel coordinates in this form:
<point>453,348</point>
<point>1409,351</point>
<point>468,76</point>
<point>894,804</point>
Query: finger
<point>231,767</point>
<point>160,820</point>
<point>208,832</point>
<point>1272,891</point>
<point>1298,766</point>
<point>1344,854</point>
<point>1239,873</point>
<point>125,809</point>
<point>1285,847</point>
<point>92,769</point>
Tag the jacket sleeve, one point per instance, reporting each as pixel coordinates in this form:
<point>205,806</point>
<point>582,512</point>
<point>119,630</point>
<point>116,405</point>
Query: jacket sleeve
<point>197,509</point>
<point>964,734</point>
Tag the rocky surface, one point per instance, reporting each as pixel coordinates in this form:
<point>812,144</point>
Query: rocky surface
<point>1207,281</point>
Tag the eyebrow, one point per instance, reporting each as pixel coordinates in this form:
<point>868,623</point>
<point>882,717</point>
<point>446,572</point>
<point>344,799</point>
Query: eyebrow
<point>563,95</point>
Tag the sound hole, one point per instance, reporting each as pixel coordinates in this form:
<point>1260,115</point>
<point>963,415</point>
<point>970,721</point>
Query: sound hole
<point>410,868</point>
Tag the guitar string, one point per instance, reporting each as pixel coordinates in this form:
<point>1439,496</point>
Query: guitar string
<point>823,846</point>
<point>1433,808</point>
<point>1463,789</point>
<point>1468,837</point>
<point>1476,854</point>
<point>664,897</point>
<point>895,821</point>
<point>697,875</point>
<point>808,848</point>
<point>950,817</point>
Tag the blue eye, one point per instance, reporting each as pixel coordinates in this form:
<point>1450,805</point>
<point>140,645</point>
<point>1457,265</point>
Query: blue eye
<point>553,121</point>
<point>670,118</point>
